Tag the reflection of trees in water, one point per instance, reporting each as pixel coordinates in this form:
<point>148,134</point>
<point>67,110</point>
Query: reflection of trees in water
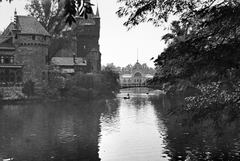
<point>51,131</point>
<point>110,114</point>
<point>139,101</point>
<point>198,141</point>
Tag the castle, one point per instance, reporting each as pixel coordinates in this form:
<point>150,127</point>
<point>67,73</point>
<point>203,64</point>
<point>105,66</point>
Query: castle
<point>87,32</point>
<point>24,50</point>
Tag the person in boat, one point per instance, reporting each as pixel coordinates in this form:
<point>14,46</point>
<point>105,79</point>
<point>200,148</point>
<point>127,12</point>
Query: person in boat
<point>128,96</point>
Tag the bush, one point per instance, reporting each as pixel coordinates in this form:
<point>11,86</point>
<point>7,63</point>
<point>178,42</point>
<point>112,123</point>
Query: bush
<point>1,94</point>
<point>77,92</point>
<point>28,88</point>
<point>50,93</point>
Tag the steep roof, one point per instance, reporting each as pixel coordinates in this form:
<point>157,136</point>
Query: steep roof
<point>137,65</point>
<point>97,15</point>
<point>6,43</point>
<point>4,38</point>
<point>30,25</point>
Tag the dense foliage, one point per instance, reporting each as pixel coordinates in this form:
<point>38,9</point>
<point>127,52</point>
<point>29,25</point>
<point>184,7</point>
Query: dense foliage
<point>72,8</point>
<point>203,53</point>
<point>81,85</point>
<point>50,14</point>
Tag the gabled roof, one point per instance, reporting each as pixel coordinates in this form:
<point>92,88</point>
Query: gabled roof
<point>8,30</point>
<point>30,25</point>
<point>6,43</point>
<point>68,61</point>
<point>4,38</point>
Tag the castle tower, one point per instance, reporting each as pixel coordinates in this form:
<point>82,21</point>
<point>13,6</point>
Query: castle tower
<point>88,33</point>
<point>27,51</point>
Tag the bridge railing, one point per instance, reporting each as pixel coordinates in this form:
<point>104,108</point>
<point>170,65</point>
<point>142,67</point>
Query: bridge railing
<point>140,85</point>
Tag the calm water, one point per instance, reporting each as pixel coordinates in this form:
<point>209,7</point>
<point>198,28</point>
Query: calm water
<point>135,129</point>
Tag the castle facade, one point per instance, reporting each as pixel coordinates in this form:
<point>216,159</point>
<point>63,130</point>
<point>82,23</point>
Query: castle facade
<point>23,52</point>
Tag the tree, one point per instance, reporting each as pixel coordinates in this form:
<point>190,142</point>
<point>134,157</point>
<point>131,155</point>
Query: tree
<point>73,8</point>
<point>178,32</point>
<point>158,11</point>
<point>208,60</point>
<point>205,57</point>
<point>49,13</point>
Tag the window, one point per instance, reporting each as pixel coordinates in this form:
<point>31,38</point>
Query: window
<point>33,37</point>
<point>137,74</point>
<point>44,75</point>
<point>16,36</point>
<point>46,59</point>
<point>2,59</point>
<point>11,59</point>
<point>6,59</point>
<point>10,76</point>
<point>19,75</point>
<point>45,38</point>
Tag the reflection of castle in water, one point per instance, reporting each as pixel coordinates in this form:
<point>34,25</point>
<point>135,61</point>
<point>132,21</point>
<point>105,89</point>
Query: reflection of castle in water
<point>53,131</point>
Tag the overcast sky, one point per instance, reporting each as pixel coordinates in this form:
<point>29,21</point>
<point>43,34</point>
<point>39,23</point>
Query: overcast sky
<point>117,44</point>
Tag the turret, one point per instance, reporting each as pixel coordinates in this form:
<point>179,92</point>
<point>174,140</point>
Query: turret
<point>15,30</point>
<point>88,33</point>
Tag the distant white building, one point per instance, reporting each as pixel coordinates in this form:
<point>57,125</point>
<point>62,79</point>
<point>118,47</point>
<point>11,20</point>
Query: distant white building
<point>138,76</point>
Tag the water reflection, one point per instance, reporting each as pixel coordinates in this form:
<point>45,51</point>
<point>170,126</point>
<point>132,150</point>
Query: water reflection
<point>52,131</point>
<point>195,142</point>
<point>136,136</point>
<point>138,128</point>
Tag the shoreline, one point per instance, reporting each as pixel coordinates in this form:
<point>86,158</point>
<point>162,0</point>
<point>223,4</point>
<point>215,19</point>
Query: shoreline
<point>37,100</point>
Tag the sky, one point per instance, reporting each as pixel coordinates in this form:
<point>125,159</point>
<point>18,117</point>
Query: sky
<point>118,45</point>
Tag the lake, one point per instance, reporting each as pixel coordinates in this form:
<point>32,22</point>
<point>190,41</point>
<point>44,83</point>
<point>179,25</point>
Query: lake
<point>118,129</point>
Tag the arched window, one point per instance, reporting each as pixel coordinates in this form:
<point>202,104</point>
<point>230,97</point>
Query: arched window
<point>2,78</point>
<point>12,77</point>
<point>11,59</point>
<point>7,72</point>
<point>19,75</point>
<point>124,80</point>
<point>2,59</point>
<point>137,74</point>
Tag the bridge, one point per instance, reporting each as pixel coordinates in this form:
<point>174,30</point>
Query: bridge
<point>140,85</point>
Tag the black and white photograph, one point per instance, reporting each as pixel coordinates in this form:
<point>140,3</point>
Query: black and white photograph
<point>119,80</point>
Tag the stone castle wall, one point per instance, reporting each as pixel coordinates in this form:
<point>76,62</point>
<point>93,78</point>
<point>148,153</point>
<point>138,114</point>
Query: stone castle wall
<point>32,55</point>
